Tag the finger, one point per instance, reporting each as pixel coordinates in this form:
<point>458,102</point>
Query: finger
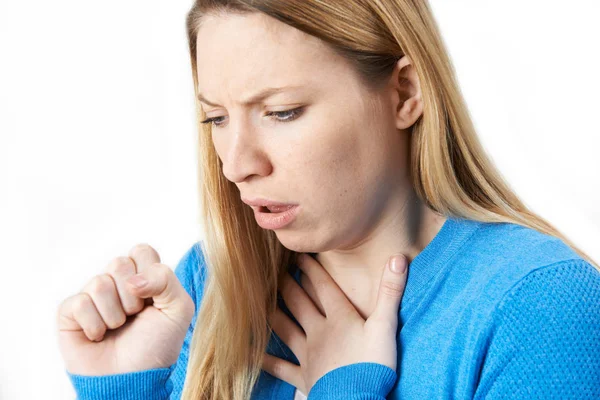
<point>391,290</point>
<point>160,283</point>
<point>332,298</point>
<point>144,255</point>
<point>310,291</point>
<point>284,370</point>
<point>121,269</point>
<point>78,313</point>
<point>299,304</point>
<point>103,292</point>
<point>290,333</point>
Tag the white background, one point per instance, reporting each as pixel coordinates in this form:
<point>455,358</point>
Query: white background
<point>97,142</point>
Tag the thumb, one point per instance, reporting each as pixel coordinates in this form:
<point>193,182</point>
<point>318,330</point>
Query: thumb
<point>391,290</point>
<point>160,283</point>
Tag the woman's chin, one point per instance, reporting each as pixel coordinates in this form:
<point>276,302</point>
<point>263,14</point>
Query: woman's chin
<point>294,245</point>
<point>300,242</point>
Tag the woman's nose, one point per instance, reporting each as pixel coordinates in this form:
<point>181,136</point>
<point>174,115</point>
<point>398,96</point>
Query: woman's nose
<point>245,157</point>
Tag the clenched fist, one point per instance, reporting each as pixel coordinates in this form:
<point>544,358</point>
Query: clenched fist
<point>115,326</point>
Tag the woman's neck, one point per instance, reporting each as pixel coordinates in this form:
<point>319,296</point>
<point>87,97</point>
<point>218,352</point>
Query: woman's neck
<point>357,271</point>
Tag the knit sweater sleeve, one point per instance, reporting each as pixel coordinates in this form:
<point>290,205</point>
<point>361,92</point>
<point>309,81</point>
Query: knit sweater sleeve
<point>545,338</point>
<point>359,381</point>
<point>151,384</point>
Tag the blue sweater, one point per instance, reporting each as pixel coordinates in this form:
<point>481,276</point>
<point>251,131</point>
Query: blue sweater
<point>490,311</point>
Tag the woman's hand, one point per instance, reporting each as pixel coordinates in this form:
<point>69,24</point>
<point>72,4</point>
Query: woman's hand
<point>112,326</point>
<point>341,336</point>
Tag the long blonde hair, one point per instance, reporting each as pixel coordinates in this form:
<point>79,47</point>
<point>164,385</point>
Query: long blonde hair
<point>451,173</point>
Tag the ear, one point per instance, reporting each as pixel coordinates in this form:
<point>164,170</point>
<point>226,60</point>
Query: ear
<point>406,90</point>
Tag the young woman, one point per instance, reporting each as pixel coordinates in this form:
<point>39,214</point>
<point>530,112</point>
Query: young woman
<point>334,136</point>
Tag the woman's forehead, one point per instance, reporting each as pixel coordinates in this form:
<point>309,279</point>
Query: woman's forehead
<point>244,54</point>
<point>257,41</point>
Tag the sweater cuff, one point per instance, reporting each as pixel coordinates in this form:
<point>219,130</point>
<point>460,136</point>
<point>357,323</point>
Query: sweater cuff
<point>151,384</point>
<point>364,380</point>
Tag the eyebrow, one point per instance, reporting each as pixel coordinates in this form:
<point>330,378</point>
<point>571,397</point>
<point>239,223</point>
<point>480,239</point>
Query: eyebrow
<point>263,94</point>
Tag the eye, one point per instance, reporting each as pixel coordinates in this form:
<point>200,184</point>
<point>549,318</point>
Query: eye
<point>292,114</point>
<point>213,120</point>
<point>283,116</point>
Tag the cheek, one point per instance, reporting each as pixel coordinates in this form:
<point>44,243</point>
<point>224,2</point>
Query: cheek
<point>333,168</point>
<point>218,145</point>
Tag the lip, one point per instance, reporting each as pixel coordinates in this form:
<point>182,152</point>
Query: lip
<point>257,203</point>
<point>277,220</point>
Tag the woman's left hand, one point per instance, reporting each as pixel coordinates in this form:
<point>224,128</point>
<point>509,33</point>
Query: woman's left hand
<point>341,336</point>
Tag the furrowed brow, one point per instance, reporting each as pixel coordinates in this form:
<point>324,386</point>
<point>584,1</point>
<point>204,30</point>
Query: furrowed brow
<point>263,94</point>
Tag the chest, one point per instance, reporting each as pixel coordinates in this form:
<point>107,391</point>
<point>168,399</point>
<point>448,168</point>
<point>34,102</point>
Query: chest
<point>437,358</point>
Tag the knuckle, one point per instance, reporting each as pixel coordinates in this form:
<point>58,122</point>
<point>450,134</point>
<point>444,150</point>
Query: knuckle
<point>66,307</point>
<point>135,307</point>
<point>392,289</point>
<point>121,265</point>
<point>119,321</point>
<point>161,271</point>
<point>102,283</point>
<point>81,303</point>
<point>66,303</point>
<point>96,331</point>
<point>141,248</point>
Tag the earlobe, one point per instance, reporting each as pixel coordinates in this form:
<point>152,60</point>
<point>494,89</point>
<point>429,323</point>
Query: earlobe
<point>409,113</point>
<point>408,94</point>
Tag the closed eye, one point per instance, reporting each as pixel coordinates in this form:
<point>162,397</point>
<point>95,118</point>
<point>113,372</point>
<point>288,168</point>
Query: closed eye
<point>282,116</point>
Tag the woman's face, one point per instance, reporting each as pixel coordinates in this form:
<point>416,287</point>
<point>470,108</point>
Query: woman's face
<point>340,156</point>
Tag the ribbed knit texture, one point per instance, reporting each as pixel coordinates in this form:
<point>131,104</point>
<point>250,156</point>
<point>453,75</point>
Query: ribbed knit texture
<point>490,311</point>
<point>152,384</point>
<point>361,381</point>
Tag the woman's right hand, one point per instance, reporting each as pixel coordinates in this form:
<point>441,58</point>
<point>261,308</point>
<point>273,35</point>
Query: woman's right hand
<point>112,327</point>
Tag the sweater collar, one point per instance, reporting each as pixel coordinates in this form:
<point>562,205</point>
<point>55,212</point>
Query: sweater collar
<point>452,235</point>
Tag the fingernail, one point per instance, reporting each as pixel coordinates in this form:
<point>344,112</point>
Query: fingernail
<point>398,264</point>
<point>137,281</point>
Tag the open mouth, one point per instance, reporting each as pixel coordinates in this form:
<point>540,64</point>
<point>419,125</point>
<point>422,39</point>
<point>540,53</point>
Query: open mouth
<point>274,209</point>
<point>275,216</point>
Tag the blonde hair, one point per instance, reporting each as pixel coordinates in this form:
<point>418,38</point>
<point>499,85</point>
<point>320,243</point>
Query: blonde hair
<point>451,173</point>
